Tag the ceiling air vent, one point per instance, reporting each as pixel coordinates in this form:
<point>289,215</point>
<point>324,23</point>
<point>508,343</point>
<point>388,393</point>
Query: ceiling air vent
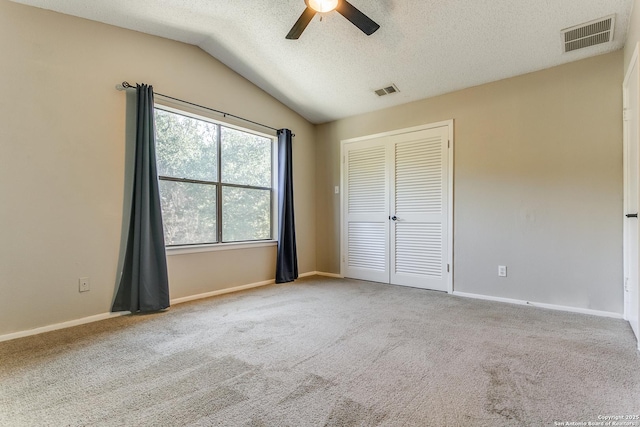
<point>588,34</point>
<point>387,90</point>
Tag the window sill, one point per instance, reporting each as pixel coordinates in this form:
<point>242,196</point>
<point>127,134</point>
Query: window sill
<point>181,250</point>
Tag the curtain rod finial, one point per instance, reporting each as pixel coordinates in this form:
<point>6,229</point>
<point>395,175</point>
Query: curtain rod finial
<point>124,85</point>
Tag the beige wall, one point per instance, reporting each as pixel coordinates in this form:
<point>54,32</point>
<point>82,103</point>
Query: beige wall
<point>538,183</point>
<point>62,162</point>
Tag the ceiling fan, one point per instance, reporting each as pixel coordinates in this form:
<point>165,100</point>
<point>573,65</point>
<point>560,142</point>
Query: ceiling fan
<point>343,7</point>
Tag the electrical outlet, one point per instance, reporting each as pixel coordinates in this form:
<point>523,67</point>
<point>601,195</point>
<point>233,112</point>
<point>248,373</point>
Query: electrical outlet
<point>502,271</point>
<point>83,284</point>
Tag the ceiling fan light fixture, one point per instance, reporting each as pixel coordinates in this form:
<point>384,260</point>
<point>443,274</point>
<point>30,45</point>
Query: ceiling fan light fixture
<point>343,7</point>
<point>322,6</point>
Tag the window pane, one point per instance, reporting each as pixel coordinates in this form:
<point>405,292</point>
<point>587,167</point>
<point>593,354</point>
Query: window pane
<point>186,147</point>
<point>188,212</point>
<point>246,158</point>
<point>246,214</point>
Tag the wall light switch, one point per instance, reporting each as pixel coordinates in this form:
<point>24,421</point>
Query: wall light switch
<point>337,189</point>
<point>502,271</point>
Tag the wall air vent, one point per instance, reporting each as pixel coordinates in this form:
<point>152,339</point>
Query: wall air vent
<point>387,90</point>
<point>588,34</point>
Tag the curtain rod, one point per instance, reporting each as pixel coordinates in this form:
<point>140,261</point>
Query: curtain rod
<point>125,85</point>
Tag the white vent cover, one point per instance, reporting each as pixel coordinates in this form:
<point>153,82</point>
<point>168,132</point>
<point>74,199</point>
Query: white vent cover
<point>588,34</point>
<point>392,88</point>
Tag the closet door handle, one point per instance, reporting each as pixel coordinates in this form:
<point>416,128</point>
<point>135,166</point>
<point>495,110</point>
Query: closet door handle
<point>393,218</point>
<point>635,215</point>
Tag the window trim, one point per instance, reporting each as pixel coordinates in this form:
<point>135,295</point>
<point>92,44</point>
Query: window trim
<point>214,247</point>
<point>205,115</point>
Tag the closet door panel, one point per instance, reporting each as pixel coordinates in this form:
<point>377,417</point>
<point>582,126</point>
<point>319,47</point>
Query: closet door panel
<point>419,194</point>
<point>366,218</point>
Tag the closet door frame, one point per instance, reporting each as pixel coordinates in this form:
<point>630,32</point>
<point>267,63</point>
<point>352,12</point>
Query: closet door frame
<point>450,184</point>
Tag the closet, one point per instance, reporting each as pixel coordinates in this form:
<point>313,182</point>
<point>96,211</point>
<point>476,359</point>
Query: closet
<point>396,207</point>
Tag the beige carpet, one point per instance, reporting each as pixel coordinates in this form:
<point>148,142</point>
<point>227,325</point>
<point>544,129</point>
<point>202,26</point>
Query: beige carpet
<point>325,352</point>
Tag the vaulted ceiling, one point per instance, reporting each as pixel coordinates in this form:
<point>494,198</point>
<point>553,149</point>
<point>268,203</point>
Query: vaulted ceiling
<point>425,47</point>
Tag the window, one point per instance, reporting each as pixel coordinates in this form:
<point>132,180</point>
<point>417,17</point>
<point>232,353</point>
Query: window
<point>216,182</point>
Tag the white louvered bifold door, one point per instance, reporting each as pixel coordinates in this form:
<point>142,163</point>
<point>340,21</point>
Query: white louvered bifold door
<point>418,232</point>
<point>366,198</point>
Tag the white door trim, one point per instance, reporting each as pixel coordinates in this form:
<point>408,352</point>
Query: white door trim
<point>450,182</point>
<point>630,73</point>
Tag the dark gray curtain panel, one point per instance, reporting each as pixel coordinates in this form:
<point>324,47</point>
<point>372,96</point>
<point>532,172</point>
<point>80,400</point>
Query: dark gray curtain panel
<point>287,259</point>
<point>144,284</point>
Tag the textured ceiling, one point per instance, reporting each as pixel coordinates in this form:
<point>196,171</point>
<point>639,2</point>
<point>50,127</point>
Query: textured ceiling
<point>425,47</point>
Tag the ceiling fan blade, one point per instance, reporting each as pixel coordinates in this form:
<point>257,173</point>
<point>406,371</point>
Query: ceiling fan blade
<point>357,18</point>
<point>301,24</point>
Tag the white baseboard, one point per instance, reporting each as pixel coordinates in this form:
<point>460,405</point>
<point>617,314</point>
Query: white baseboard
<point>104,316</point>
<point>337,276</point>
<point>307,274</point>
<point>245,287</point>
<point>222,291</point>
<point>541,305</point>
<point>63,325</point>
<point>320,273</point>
